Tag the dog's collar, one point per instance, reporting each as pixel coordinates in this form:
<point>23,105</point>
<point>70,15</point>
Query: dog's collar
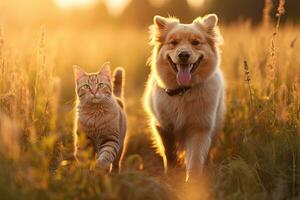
<point>178,91</point>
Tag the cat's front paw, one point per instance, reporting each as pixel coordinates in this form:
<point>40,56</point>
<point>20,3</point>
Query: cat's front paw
<point>103,166</point>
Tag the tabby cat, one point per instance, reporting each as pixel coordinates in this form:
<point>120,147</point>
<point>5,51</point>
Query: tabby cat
<point>101,118</point>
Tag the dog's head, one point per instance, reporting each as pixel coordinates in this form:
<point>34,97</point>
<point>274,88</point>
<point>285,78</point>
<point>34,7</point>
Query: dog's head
<point>185,54</point>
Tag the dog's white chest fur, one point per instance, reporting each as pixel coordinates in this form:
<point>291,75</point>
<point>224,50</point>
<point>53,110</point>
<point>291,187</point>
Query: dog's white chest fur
<point>195,109</point>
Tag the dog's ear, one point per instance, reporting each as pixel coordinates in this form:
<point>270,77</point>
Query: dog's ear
<point>160,28</point>
<point>160,22</point>
<point>210,21</point>
<point>78,72</point>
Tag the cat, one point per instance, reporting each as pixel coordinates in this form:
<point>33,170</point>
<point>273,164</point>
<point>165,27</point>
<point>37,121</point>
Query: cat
<point>100,116</point>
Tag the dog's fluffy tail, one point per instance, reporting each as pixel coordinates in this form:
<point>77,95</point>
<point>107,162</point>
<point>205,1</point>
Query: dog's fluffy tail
<point>118,84</point>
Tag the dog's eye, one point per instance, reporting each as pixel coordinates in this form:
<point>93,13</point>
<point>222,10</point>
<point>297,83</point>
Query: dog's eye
<point>174,42</point>
<point>195,42</point>
<point>100,85</point>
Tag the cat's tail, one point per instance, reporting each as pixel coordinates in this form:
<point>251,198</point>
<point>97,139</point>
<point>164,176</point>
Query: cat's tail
<point>119,74</point>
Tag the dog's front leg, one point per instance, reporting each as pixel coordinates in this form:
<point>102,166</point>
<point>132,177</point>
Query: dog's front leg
<point>197,145</point>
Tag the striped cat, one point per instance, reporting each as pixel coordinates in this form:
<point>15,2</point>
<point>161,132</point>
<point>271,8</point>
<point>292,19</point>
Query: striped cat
<point>101,118</point>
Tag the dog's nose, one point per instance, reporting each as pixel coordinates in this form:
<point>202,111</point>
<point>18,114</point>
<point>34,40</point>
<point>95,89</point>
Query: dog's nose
<point>184,56</point>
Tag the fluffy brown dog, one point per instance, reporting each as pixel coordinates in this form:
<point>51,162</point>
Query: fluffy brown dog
<point>185,91</point>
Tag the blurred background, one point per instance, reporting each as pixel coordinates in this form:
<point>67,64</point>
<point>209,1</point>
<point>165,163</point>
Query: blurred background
<point>137,13</point>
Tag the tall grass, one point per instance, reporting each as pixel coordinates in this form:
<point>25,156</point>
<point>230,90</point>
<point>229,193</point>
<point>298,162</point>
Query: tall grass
<point>258,155</point>
<point>35,134</point>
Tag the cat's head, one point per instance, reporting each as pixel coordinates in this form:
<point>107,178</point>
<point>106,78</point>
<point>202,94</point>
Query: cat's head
<point>93,88</point>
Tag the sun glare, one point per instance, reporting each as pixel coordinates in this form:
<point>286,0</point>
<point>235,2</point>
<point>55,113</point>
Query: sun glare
<point>74,3</point>
<point>116,7</point>
<point>196,3</point>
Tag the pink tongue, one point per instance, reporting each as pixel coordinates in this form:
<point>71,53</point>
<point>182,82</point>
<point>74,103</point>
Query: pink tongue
<point>183,76</point>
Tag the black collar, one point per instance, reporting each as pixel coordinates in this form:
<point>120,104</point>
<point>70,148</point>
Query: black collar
<point>178,91</point>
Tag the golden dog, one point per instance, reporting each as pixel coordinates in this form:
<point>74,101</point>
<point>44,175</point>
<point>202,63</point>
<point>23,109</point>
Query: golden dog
<point>185,91</point>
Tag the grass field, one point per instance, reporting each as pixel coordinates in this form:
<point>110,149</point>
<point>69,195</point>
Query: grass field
<point>256,157</point>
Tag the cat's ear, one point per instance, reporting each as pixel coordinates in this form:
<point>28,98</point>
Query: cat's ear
<point>105,70</point>
<point>78,72</point>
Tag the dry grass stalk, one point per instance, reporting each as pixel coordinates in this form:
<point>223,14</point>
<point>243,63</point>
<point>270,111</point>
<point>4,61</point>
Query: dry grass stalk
<point>267,13</point>
<point>10,138</point>
<point>248,80</point>
<point>272,59</point>
<point>54,103</point>
<point>40,66</point>
<point>293,42</point>
<point>296,97</point>
<point>282,103</point>
<point>1,42</point>
<point>1,53</point>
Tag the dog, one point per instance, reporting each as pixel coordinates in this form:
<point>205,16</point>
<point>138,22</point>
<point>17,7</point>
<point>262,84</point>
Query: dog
<point>184,94</point>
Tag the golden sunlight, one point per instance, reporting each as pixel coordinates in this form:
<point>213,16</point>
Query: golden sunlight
<point>74,3</point>
<point>196,3</point>
<point>158,3</point>
<point>116,7</point>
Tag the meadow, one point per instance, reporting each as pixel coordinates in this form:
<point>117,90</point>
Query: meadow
<point>257,156</point>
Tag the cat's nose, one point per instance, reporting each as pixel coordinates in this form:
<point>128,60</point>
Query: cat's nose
<point>94,91</point>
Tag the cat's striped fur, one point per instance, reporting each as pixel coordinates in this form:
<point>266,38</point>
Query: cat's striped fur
<point>101,120</point>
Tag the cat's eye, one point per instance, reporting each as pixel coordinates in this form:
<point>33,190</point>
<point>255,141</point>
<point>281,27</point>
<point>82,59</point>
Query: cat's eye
<point>86,86</point>
<point>195,42</point>
<point>100,85</point>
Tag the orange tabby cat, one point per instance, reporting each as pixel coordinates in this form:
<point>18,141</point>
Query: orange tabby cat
<point>100,115</point>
